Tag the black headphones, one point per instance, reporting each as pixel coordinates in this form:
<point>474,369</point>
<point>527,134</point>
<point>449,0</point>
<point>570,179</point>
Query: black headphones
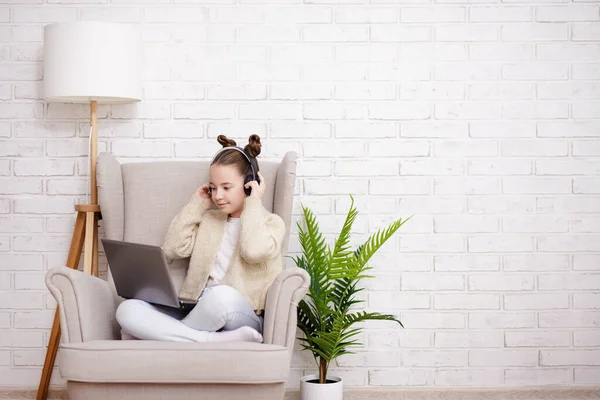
<point>253,166</point>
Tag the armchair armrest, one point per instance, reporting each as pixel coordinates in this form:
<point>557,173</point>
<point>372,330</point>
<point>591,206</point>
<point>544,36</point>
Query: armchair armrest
<point>86,305</point>
<point>281,305</point>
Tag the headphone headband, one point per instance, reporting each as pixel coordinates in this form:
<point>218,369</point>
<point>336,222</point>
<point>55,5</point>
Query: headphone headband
<point>253,165</point>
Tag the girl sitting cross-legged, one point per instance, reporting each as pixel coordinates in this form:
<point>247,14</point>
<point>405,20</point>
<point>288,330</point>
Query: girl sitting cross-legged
<point>234,251</point>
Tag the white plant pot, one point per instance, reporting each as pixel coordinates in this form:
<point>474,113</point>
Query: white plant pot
<point>332,390</point>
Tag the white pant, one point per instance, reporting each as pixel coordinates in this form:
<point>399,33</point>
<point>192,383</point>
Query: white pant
<point>219,307</point>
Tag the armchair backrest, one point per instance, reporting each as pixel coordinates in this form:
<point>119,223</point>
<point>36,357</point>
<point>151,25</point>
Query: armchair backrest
<point>139,200</point>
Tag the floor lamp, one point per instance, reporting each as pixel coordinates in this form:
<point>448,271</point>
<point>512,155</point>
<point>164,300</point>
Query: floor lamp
<point>95,63</point>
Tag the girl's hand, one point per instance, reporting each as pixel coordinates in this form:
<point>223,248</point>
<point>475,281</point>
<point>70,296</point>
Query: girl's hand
<point>258,190</point>
<point>204,192</point>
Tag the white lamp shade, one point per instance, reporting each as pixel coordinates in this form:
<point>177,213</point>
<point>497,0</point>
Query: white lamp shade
<point>86,61</point>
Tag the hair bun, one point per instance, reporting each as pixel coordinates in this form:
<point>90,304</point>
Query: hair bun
<point>225,141</point>
<point>254,146</point>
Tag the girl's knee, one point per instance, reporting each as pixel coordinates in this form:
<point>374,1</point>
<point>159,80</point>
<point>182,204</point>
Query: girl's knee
<point>221,301</point>
<point>221,293</point>
<point>128,309</point>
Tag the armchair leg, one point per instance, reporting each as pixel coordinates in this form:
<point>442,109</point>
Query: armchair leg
<point>77,240</point>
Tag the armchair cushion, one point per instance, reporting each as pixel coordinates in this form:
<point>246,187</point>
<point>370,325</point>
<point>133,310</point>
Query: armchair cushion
<point>174,362</point>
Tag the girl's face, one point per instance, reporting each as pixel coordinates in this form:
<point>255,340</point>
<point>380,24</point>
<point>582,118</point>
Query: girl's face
<point>227,189</point>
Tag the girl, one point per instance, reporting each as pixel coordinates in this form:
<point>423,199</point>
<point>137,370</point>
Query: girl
<point>235,254</point>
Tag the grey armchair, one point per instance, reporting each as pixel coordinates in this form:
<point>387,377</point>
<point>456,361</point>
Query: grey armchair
<point>138,201</point>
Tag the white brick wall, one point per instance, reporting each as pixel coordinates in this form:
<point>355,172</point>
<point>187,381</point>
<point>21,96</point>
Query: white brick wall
<point>482,119</point>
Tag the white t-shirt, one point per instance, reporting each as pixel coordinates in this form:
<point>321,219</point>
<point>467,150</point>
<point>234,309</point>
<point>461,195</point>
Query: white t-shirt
<point>230,240</point>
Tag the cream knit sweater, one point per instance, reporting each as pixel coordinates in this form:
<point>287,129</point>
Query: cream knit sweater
<point>197,232</point>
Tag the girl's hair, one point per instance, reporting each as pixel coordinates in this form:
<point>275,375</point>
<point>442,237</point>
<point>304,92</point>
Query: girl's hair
<point>234,157</point>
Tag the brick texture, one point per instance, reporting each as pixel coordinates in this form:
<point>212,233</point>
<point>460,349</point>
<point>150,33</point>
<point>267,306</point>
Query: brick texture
<point>480,118</point>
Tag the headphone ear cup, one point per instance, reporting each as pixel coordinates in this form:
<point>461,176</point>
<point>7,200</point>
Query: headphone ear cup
<point>247,179</point>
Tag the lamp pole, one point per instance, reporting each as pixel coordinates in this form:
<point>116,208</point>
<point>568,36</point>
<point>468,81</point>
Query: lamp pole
<point>87,62</point>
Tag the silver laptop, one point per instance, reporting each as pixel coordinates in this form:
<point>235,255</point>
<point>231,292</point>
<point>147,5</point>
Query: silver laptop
<point>140,271</point>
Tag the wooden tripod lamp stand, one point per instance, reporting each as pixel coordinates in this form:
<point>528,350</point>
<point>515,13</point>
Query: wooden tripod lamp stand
<point>95,63</point>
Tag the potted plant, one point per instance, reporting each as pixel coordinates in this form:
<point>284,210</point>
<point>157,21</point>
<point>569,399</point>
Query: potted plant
<point>325,315</point>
